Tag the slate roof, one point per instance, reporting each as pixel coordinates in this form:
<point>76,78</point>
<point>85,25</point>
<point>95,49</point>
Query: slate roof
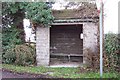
<point>85,11</point>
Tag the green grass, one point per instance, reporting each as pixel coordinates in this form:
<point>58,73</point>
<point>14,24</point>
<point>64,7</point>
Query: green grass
<point>60,72</point>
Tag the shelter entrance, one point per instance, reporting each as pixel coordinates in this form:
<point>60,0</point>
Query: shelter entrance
<point>66,44</point>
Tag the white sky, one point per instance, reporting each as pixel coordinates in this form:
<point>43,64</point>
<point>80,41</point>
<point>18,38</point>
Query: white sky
<point>111,16</point>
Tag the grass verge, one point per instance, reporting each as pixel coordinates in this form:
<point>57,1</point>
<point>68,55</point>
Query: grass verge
<point>59,72</point>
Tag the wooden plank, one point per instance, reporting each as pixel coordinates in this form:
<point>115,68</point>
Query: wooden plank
<point>73,20</point>
<point>61,54</point>
<point>67,23</point>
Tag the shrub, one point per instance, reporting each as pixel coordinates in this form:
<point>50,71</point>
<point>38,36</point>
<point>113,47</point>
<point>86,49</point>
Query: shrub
<point>14,51</point>
<point>9,56</point>
<point>25,55</point>
<point>20,55</point>
<point>92,59</point>
<point>112,50</point>
<point>10,38</point>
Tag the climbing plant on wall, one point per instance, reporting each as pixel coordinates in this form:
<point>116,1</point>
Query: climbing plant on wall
<point>39,13</point>
<point>13,38</point>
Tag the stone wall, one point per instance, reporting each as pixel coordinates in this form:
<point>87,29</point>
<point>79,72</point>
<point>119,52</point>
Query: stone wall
<point>90,39</point>
<point>42,46</point>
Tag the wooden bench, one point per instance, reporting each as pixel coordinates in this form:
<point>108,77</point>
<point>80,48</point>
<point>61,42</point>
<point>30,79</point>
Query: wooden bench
<point>61,54</point>
<point>67,55</point>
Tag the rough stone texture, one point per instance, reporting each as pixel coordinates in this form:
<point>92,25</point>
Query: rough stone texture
<point>90,39</point>
<point>86,10</point>
<point>42,46</point>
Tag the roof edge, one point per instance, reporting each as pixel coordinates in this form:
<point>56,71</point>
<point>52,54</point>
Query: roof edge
<point>75,20</point>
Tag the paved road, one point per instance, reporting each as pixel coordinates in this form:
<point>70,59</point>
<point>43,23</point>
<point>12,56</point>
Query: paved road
<point>10,74</point>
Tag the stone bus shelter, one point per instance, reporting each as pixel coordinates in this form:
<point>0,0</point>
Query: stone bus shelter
<point>71,34</point>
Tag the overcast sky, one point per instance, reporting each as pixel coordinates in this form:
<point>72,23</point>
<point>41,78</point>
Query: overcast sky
<point>111,16</point>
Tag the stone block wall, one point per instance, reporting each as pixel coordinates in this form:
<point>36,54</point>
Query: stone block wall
<point>90,39</point>
<point>42,46</point>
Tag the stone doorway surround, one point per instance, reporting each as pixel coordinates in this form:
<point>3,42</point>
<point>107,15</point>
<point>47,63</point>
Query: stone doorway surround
<point>90,39</point>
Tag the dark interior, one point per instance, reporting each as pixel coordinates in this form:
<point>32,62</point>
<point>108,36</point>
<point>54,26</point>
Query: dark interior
<point>65,43</point>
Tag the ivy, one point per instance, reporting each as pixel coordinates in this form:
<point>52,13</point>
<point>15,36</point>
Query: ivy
<point>39,13</point>
<point>112,48</point>
<point>13,14</point>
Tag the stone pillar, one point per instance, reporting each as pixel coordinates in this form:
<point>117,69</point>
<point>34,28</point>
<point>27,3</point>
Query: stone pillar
<point>42,46</point>
<point>90,40</point>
